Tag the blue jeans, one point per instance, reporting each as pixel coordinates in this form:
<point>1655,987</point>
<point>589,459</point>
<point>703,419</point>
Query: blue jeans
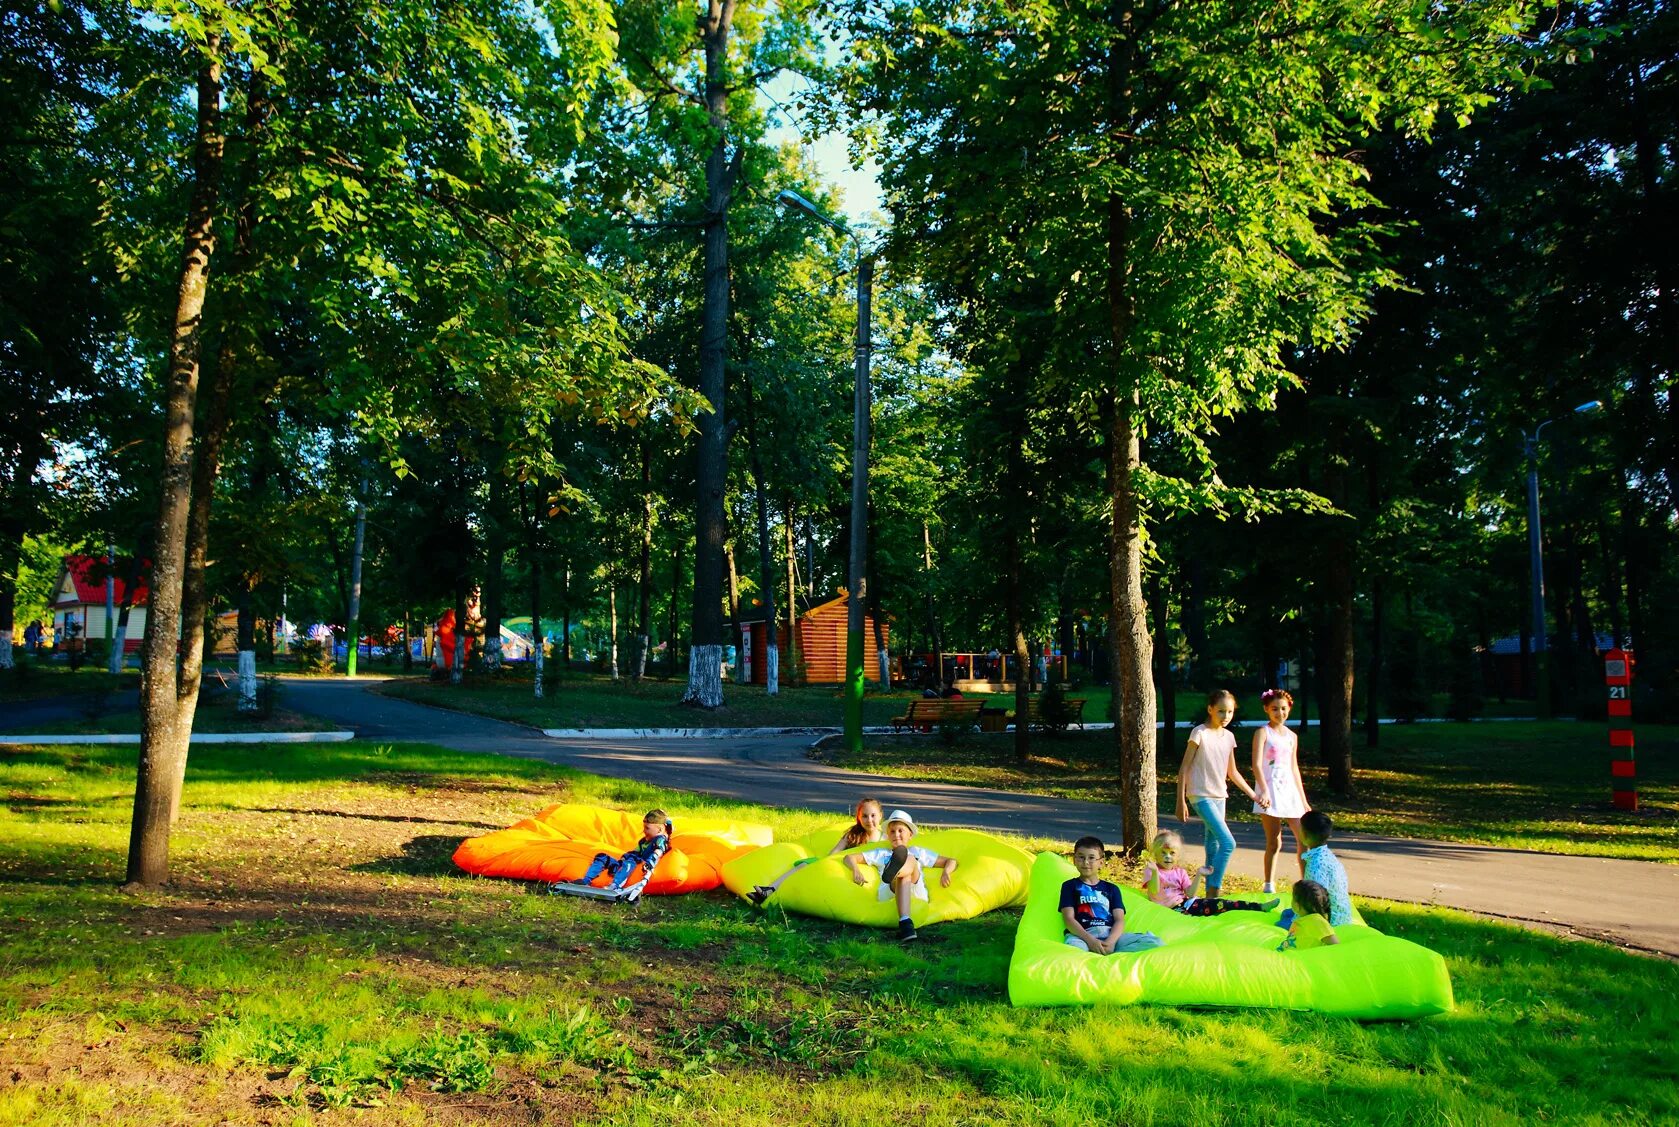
<point>1220,842</point>
<point>621,868</point>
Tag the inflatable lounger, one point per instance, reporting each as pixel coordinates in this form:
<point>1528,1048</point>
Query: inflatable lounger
<point>1228,960</point>
<point>990,874</point>
<point>557,845</point>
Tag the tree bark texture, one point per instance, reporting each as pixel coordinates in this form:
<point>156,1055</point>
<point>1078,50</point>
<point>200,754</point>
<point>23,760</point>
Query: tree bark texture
<point>766,559</point>
<point>793,671</point>
<point>1132,672</point>
<point>742,674</point>
<point>644,569</point>
<point>163,736</point>
<point>1335,729</point>
<point>705,687</point>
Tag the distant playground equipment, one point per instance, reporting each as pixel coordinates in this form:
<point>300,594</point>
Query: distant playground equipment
<point>514,646</point>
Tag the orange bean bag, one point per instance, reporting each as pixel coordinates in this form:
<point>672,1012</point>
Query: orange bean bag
<point>559,843</point>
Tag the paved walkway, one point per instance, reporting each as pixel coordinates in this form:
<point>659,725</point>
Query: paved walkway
<point>1627,902</point>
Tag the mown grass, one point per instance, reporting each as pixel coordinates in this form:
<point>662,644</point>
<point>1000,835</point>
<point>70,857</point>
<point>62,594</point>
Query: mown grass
<point>318,960</point>
<point>1541,785</point>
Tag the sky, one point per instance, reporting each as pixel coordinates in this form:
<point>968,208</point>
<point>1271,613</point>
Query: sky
<point>859,188</point>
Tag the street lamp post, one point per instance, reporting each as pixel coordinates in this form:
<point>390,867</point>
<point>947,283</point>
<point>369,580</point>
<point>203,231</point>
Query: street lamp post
<point>858,581</point>
<point>1536,562</point>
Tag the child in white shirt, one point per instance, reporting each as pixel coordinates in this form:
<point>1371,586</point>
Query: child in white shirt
<point>902,869</point>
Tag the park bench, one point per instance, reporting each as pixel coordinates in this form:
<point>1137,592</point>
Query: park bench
<point>928,713</point>
<point>1065,715</point>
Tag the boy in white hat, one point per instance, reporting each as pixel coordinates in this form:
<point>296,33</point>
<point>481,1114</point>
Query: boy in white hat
<point>902,869</point>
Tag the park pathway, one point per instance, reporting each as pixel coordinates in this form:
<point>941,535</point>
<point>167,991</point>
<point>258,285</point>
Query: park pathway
<point>1632,903</point>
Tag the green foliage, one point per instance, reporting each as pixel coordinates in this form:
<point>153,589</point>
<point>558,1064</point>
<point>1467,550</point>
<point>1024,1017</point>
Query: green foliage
<point>315,658</point>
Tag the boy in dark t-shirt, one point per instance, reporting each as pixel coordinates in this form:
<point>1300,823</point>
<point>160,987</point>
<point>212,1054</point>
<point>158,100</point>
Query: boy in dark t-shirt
<point>1092,908</point>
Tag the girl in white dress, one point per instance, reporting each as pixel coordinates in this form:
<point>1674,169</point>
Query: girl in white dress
<point>1276,772</point>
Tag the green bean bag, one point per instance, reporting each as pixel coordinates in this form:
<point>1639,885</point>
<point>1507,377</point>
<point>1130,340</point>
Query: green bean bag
<point>1228,960</point>
<point>990,873</point>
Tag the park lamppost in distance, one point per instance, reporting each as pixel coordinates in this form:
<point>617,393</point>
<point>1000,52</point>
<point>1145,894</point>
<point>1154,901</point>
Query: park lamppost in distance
<point>859,584</point>
<point>1536,563</point>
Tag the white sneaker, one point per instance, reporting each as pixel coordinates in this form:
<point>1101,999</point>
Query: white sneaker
<point>1268,889</point>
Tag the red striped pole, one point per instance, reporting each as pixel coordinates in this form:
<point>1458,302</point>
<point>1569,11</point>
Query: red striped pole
<point>1623,773</point>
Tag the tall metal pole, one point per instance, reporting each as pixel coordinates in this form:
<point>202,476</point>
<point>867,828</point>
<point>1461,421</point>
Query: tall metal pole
<point>859,512</point>
<point>1536,567</point>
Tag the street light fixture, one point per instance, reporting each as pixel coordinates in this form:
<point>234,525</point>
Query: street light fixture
<point>1536,563</point>
<point>858,587</point>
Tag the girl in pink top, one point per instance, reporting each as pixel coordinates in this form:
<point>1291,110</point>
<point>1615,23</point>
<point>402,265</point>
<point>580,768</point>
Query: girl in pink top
<point>1209,765</point>
<point>1171,886</point>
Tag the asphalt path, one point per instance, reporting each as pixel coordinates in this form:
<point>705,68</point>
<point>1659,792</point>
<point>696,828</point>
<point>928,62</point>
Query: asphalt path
<point>1631,903</point>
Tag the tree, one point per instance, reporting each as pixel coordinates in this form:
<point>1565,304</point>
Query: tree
<point>1203,161</point>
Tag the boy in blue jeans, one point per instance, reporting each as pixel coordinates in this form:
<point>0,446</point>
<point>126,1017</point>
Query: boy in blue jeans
<point>1093,910</point>
<point>655,840</point>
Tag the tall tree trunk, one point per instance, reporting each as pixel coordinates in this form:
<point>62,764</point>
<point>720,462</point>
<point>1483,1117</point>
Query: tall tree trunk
<point>766,558</point>
<point>532,523</point>
<point>11,559</point>
<point>872,607</point>
<point>705,655</point>
<point>1167,690</point>
<point>565,608</point>
<point>352,652</point>
<point>1016,512</point>
<point>741,672</point>
<point>793,668</point>
<point>164,732</point>
<point>1335,733</point>
<point>246,644</point>
<point>495,552</point>
<point>1133,683</point>
<point>644,570</point>
<point>675,605</point>
<point>457,671</point>
<point>1373,679</point>
<point>407,639</point>
<point>932,611</point>
<point>612,624</point>
<point>132,571</point>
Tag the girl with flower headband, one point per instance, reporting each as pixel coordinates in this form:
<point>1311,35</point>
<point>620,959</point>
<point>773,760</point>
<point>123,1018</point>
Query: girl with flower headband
<point>1276,770</point>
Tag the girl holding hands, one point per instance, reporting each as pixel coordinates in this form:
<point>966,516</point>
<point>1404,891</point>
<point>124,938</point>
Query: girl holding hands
<point>1276,768</point>
<point>1209,765</point>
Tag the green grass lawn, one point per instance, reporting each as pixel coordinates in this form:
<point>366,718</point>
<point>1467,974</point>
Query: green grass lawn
<point>217,712</point>
<point>593,701</point>
<point>35,680</point>
<point>1527,785</point>
<point>318,960</point>
<point>584,700</point>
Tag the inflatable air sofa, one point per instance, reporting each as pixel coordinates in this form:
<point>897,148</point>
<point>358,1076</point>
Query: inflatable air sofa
<point>1228,960</point>
<point>559,843</point>
<point>990,873</point>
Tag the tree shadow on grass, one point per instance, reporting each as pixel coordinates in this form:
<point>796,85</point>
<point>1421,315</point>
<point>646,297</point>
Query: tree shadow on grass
<point>429,855</point>
<point>362,816</point>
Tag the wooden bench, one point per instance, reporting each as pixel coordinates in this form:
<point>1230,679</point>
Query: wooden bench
<point>929,713</point>
<point>1070,712</point>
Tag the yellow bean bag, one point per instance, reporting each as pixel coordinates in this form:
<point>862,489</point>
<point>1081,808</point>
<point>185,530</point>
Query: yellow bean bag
<point>1228,960</point>
<point>559,843</point>
<point>990,873</point>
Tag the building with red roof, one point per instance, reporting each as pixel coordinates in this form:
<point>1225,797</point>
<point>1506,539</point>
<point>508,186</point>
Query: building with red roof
<point>79,597</point>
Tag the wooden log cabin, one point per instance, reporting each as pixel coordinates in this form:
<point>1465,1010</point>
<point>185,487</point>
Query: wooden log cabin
<point>821,644</point>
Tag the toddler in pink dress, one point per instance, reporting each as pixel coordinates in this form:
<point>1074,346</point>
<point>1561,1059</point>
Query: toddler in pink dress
<point>1172,886</point>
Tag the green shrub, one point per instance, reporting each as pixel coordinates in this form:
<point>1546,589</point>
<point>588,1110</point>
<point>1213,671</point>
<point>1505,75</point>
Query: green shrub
<point>314,658</point>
